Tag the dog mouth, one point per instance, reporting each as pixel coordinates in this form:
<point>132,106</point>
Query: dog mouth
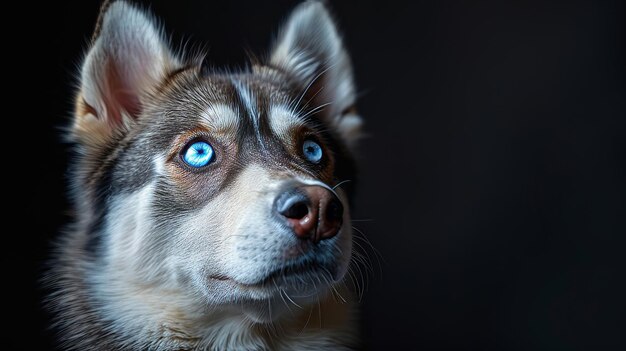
<point>299,273</point>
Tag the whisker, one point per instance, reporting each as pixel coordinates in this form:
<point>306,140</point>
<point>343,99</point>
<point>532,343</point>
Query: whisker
<point>341,183</point>
<point>363,259</point>
<point>319,309</point>
<point>377,254</point>
<point>280,292</point>
<point>312,82</point>
<point>292,301</point>
<point>336,293</point>
<point>356,283</point>
<point>306,324</point>
<point>315,110</point>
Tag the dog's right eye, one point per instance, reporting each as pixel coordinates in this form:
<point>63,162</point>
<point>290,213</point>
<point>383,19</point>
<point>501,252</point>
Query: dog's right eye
<point>198,154</point>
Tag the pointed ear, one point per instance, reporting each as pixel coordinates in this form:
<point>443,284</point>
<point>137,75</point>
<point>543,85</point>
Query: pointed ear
<point>310,49</point>
<point>127,61</point>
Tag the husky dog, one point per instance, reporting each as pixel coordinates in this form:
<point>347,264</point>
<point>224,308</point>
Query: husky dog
<point>208,209</point>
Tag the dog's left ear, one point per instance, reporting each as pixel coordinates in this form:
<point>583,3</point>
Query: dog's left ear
<point>310,49</point>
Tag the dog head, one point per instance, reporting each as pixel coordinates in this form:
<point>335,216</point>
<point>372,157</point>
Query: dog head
<point>217,186</point>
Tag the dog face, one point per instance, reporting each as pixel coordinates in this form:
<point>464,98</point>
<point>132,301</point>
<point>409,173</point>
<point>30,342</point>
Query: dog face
<point>217,187</point>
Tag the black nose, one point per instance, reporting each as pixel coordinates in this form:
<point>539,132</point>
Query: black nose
<point>313,212</point>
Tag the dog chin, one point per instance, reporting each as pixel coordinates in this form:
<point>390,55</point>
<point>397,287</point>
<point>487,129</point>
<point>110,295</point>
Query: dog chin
<point>281,303</point>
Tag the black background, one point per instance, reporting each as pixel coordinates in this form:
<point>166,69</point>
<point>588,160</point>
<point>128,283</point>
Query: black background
<point>493,179</point>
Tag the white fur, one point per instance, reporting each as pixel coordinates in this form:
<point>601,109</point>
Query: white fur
<point>283,120</point>
<point>247,97</point>
<point>220,118</point>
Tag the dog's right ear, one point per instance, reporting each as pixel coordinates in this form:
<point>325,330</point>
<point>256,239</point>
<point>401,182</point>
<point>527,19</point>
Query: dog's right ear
<point>127,61</point>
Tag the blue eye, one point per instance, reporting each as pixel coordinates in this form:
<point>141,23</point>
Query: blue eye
<point>198,154</point>
<point>312,151</point>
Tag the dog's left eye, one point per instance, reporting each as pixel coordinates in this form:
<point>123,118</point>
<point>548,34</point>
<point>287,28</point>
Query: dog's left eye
<point>312,151</point>
<point>198,154</point>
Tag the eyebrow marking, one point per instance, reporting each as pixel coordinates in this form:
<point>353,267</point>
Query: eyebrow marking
<point>220,118</point>
<point>283,119</point>
<point>247,98</point>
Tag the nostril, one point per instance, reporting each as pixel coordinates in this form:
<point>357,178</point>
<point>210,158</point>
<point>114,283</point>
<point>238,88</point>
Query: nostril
<point>334,212</point>
<point>293,204</point>
<point>296,210</point>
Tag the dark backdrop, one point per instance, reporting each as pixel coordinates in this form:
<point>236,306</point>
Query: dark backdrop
<point>493,180</point>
